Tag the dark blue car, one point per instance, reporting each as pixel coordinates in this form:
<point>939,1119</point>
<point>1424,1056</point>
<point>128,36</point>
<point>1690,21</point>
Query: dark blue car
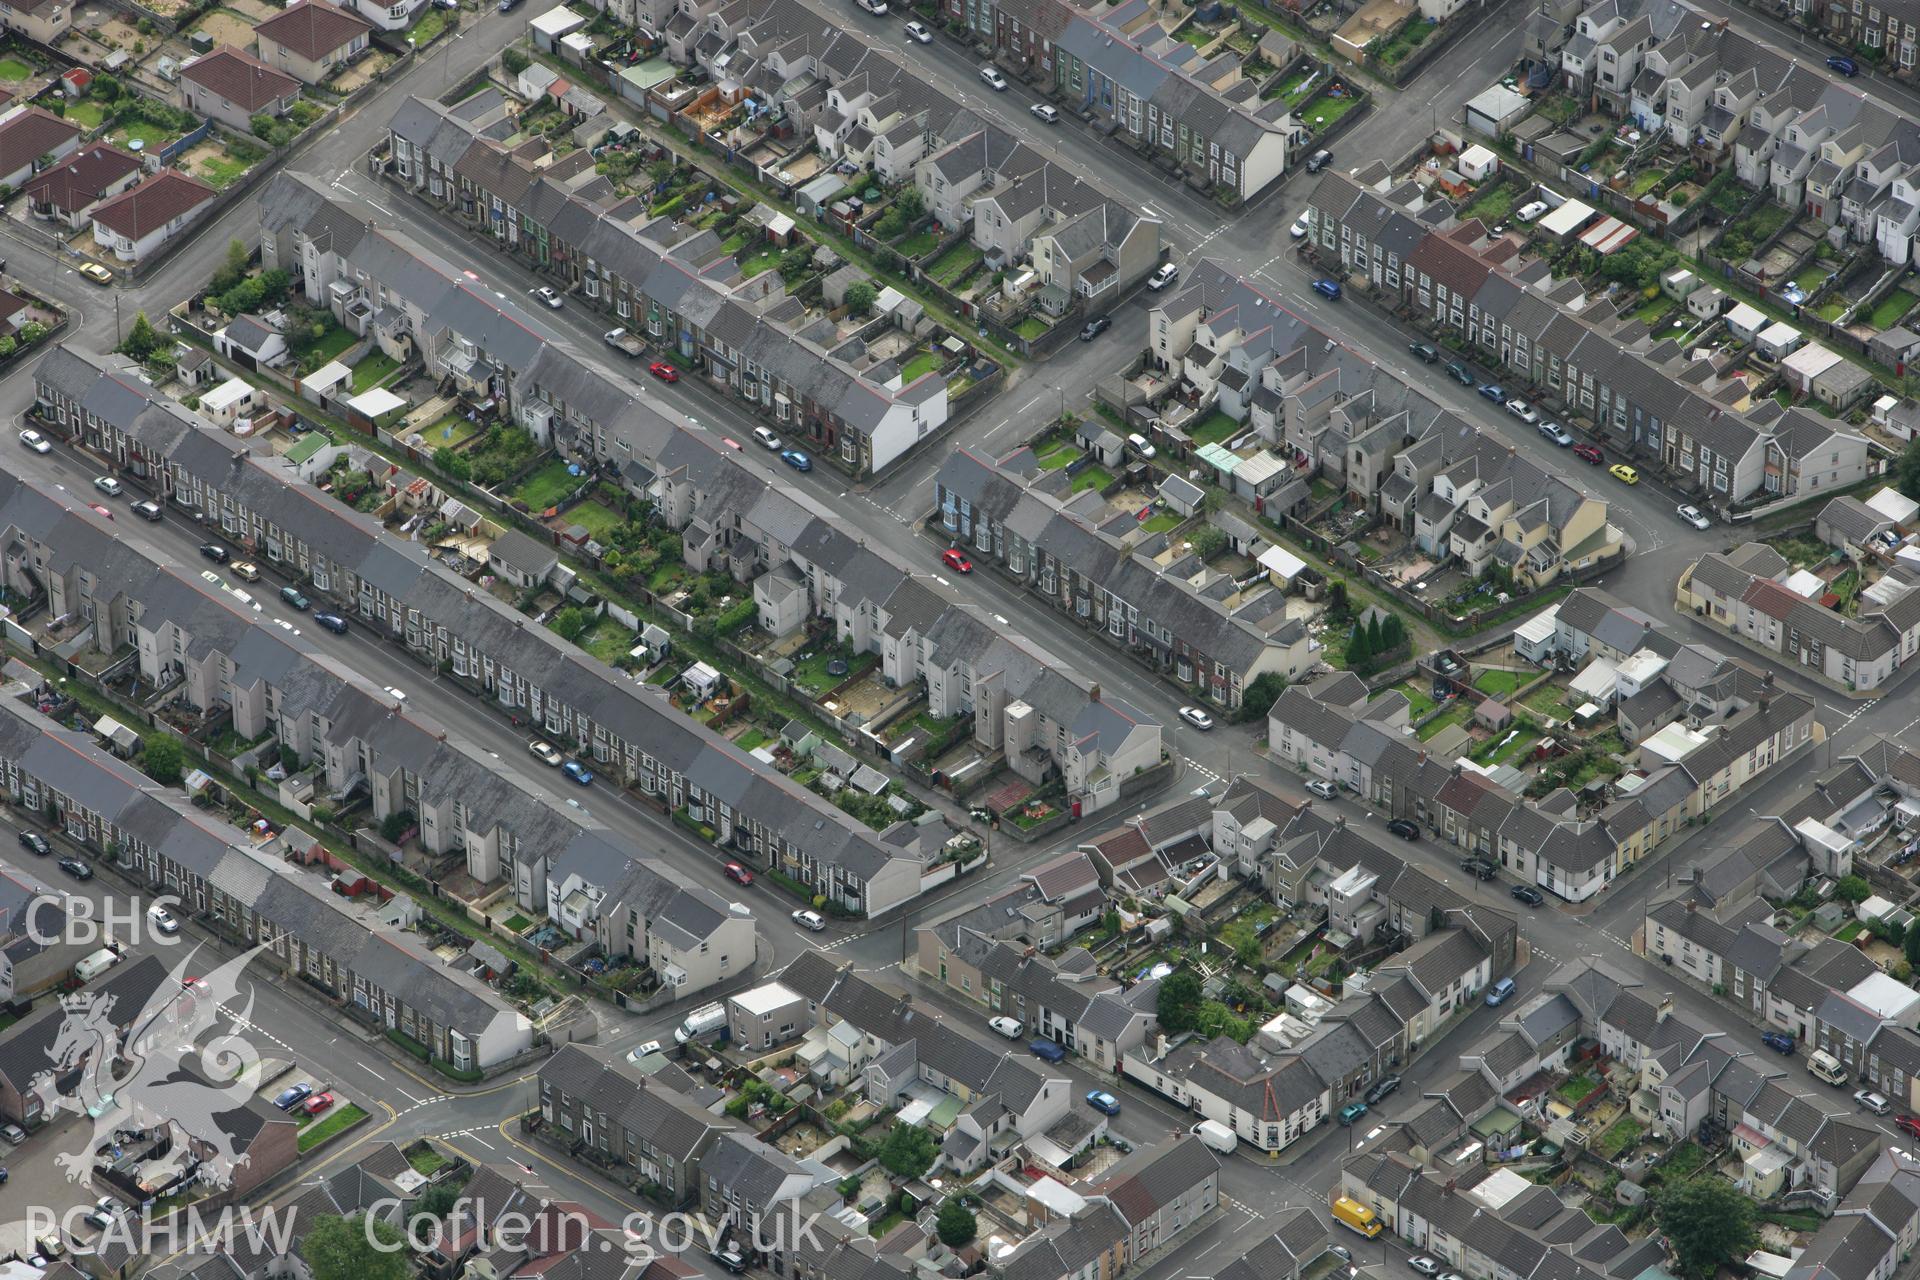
<point>332,622</point>
<point>1046,1050</point>
<point>1777,1040</point>
<point>1494,392</point>
<point>1328,289</point>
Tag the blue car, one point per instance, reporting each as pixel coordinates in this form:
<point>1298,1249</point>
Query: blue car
<point>1352,1111</point>
<point>1499,993</point>
<point>1046,1051</point>
<point>332,622</point>
<point>1845,66</point>
<point>1101,1100</point>
<point>1494,392</point>
<point>796,459</point>
<point>578,772</point>
<point>1328,289</point>
<point>1777,1040</point>
<point>288,1097</point>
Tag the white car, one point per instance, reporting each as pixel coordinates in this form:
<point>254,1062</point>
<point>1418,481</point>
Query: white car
<point>1693,516</point>
<point>163,920</point>
<point>768,438</point>
<point>1301,225</point>
<point>1042,111</point>
<point>1528,212</point>
<point>918,33</point>
<point>1523,411</point>
<point>1322,788</point>
<point>545,752</point>
<point>1008,1027</point>
<point>35,441</point>
<point>878,8</point>
<point>1872,1102</point>
<point>1556,433</point>
<point>993,78</point>
<point>398,694</point>
<point>640,1051</point>
<point>812,921</point>
<point>1196,717</point>
<point>1163,276</point>
<point>547,294</point>
<point>107,485</point>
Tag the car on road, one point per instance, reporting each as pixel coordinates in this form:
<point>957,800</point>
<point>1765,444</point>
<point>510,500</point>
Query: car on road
<point>34,842</point>
<point>1425,352</point>
<point>162,919</point>
<point>1494,392</point>
<point>956,560</point>
<point>332,622</point>
<point>1352,1111</point>
<point>95,272</point>
<point>292,1095</point>
<point>796,459</point>
<point>1693,516</point>
<point>294,599</point>
<point>1319,160</point>
<point>147,510</point>
<point>767,437</point>
<point>1381,1089</point>
<point>545,752</point>
<point>1328,289</point>
<point>1163,275</point>
<point>994,80</point>
<point>811,921</point>
<point>1046,1051</point>
<point>399,694</point>
<point>214,552</point>
<point>737,873</point>
<point>1778,1041</point>
<point>1102,1101</point>
<point>1908,1125</point>
<point>107,485</point>
<point>104,1211</point>
<point>1005,1026</point>
<point>13,1134</point>
<point>878,8</point>
<point>76,868</point>
<point>1301,226</point>
<point>1589,453</point>
<point>1528,894</point>
<point>35,441</point>
<point>1322,788</point>
<point>918,33</point>
<point>1043,112</point>
<point>549,295</point>
<point>1424,1265</point>
<point>1404,829</point>
<point>1623,473</point>
<point>578,773</point>
<point>246,570</point>
<point>1522,410</point>
<point>1500,992</point>
<point>732,1261</point>
<point>1479,868</point>
<point>664,371</point>
<point>316,1104</point>
<point>1095,327</point>
<point>1872,1101</point>
<point>1845,66</point>
<point>1196,717</point>
<point>1555,432</point>
<point>1460,373</point>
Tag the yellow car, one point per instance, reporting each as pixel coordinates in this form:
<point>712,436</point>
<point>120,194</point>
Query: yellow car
<point>1621,471</point>
<point>96,273</point>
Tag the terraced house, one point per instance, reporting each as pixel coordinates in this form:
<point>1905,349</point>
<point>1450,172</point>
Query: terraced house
<point>1701,428</point>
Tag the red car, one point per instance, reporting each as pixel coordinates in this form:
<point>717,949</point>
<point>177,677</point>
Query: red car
<point>317,1103</point>
<point>738,874</point>
<point>956,560</point>
<point>100,510</point>
<point>664,371</point>
<point>1908,1125</point>
<point>1589,453</point>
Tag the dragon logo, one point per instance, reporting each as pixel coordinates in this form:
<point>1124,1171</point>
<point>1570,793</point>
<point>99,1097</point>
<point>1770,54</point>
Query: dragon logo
<point>157,1083</point>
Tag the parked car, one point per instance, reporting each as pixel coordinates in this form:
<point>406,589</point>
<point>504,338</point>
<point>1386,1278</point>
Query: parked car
<point>1102,1101</point>
<point>1555,432</point>
<point>1424,1265</point>
<point>1499,993</point>
<point>1046,1051</point>
<point>100,511</point>
<point>549,295</point>
<point>1522,410</point>
<point>1531,210</point>
<point>1424,352</point>
<point>737,873</point>
<point>1872,1101</point>
<point>101,1215</point>
<point>1778,1041</point>
<point>545,752</point>
<point>1044,112</point>
<point>292,1095</point>
<point>1528,894</point>
<point>34,842</point>
<point>1319,160</point>
<point>1301,225</point>
<point>1328,289</point>
<point>664,371</point>
<point>1322,788</point>
<point>1352,1111</point>
<point>147,509</point>
<point>956,560</point>
<point>214,552</point>
<point>76,868</point>
<point>1196,717</point>
<point>1589,453</point>
<point>1141,445</point>
<point>578,773</point>
<point>1479,868</point>
<point>1494,392</point>
<point>107,485</point>
<point>246,570</point>
<point>1095,327</point>
<point>1693,516</point>
<point>768,438</point>
<point>796,459</point>
<point>1460,373</point>
<point>13,1134</point>
<point>1381,1089</point>
<point>1404,829</point>
<point>1163,275</point>
<point>317,1103</point>
<point>918,33</point>
<point>1341,1252</point>
<point>162,919</point>
<point>1908,1125</point>
<point>812,921</point>
<point>878,8</point>
<point>1623,473</point>
<point>1845,66</point>
<point>293,597</point>
<point>332,622</point>
<point>730,1261</point>
<point>994,80</point>
<point>95,272</point>
<point>1005,1026</point>
<point>35,441</point>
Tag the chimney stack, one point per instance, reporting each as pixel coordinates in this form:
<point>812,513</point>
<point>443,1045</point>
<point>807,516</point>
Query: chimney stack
<point>1093,692</point>
<point>1665,1008</point>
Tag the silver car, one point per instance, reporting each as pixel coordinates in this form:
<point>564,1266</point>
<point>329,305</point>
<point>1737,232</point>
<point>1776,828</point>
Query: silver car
<point>1693,516</point>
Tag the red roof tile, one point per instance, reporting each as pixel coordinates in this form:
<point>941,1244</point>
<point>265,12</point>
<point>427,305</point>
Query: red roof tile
<point>159,200</point>
<point>240,78</point>
<point>31,133</point>
<point>313,29</point>
<point>77,181</point>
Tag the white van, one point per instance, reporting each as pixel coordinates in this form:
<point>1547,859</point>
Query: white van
<point>1825,1066</point>
<point>702,1022</point>
<point>1217,1136</point>
<point>96,963</point>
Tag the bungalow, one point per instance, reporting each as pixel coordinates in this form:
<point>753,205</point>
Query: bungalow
<point>67,192</point>
<point>232,86</point>
<point>522,561</point>
<point>30,136</point>
<point>311,40</point>
<point>135,224</point>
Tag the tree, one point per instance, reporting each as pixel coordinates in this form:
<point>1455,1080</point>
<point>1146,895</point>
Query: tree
<point>1259,696</point>
<point>513,61</point>
<point>453,463</point>
<point>1207,541</point>
<point>1376,641</point>
<point>955,1223</point>
<point>143,339</point>
<point>394,826</point>
<point>1852,889</point>
<point>1393,631</point>
<point>1909,470</point>
<point>1705,1220</point>
<point>105,87</point>
<point>232,270</point>
<point>1178,1004</point>
<point>355,1248</point>
<point>439,1199</point>
<point>908,1151</point>
<point>1359,650</point>
<point>860,297</point>
<point>163,759</point>
<point>570,623</point>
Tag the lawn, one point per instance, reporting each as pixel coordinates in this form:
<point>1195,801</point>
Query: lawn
<point>548,487</point>
<point>1498,684</point>
<point>12,68</point>
<point>1885,314</point>
<point>598,519</point>
<point>951,266</point>
<point>225,169</point>
<point>1291,88</point>
<point>337,339</point>
<point>1411,37</point>
<point>765,258</point>
<point>607,640</point>
<point>431,24</point>
<point>924,363</point>
<point>1849,932</point>
<point>1493,204</point>
<point>86,113</point>
<point>919,244</point>
<point>1802,552</point>
<point>1213,429</point>
<point>1164,522</point>
<point>1575,1089</point>
<point>1092,478</point>
<point>811,672</point>
<point>1519,736</point>
<point>1198,37</point>
<point>1032,328</point>
<point>1458,713</point>
<point>1687,1159</point>
<point>335,1121</point>
<point>1325,110</point>
<point>149,136</point>
<point>751,739</point>
<point>1062,456</point>
<point>427,1163</point>
<point>1654,310</point>
<point>1812,276</point>
<point>1419,702</point>
<point>1620,1135</point>
<point>374,368</point>
<point>450,432</point>
<point>1549,700</point>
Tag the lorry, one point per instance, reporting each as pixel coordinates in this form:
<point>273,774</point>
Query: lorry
<point>1358,1217</point>
<point>702,1022</point>
<point>622,341</point>
<point>1217,1136</point>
